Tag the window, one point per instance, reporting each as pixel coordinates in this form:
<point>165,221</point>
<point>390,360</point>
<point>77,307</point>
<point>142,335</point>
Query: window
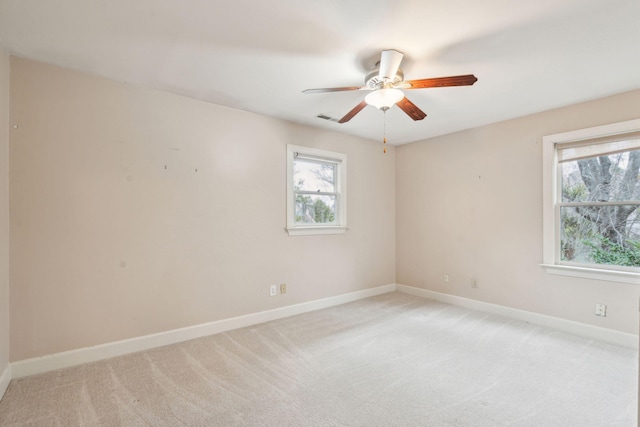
<point>316,191</point>
<point>592,202</point>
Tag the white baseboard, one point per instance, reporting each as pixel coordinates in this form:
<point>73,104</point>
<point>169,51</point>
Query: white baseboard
<point>118,348</point>
<point>5,378</point>
<point>581,329</point>
<point>69,358</point>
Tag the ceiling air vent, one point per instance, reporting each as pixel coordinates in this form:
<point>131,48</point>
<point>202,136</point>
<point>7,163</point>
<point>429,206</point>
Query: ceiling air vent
<point>325,117</point>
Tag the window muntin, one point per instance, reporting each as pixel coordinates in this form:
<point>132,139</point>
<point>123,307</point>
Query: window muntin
<point>316,191</point>
<point>591,202</point>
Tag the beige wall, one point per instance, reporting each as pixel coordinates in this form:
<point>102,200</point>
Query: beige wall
<point>108,244</point>
<point>469,205</point>
<point>4,210</point>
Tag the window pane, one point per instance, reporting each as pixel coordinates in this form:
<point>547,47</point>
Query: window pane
<point>601,235</point>
<point>315,209</point>
<point>609,178</point>
<point>315,176</point>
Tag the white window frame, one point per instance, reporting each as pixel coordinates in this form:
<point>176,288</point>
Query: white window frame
<point>340,160</point>
<point>550,218</point>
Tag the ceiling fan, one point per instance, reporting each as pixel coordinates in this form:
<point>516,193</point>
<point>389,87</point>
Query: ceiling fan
<point>386,82</point>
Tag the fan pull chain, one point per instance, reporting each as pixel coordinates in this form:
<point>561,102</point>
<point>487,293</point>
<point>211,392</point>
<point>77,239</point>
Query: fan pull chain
<point>384,133</point>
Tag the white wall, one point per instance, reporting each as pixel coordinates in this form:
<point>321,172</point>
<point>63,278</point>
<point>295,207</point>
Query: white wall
<point>4,220</point>
<point>469,205</point>
<point>108,244</point>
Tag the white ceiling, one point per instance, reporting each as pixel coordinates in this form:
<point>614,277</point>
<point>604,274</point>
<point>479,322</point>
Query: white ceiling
<point>258,55</point>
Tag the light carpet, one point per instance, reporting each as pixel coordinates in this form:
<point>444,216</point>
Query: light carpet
<point>391,360</point>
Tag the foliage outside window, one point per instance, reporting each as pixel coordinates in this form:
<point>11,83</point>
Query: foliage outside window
<point>316,191</point>
<point>593,200</point>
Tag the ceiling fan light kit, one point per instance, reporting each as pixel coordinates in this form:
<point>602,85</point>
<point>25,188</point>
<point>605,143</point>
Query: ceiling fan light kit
<point>383,99</point>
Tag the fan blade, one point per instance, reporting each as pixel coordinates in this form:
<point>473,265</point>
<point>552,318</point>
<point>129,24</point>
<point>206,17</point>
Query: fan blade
<point>334,89</point>
<point>389,64</point>
<point>353,112</point>
<point>411,109</point>
<point>466,80</point>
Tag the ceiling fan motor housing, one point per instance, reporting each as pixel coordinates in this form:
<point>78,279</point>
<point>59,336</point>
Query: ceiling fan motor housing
<point>373,81</point>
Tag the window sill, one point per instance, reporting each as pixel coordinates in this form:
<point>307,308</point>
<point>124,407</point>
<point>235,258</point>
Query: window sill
<point>593,273</point>
<point>311,231</point>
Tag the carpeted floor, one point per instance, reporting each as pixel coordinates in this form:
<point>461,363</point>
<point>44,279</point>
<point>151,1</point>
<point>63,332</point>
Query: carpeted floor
<point>392,360</point>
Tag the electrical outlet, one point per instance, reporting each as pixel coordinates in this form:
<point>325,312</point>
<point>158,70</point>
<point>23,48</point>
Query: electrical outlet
<point>273,291</point>
<point>283,288</point>
<point>446,278</point>
<point>601,310</point>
